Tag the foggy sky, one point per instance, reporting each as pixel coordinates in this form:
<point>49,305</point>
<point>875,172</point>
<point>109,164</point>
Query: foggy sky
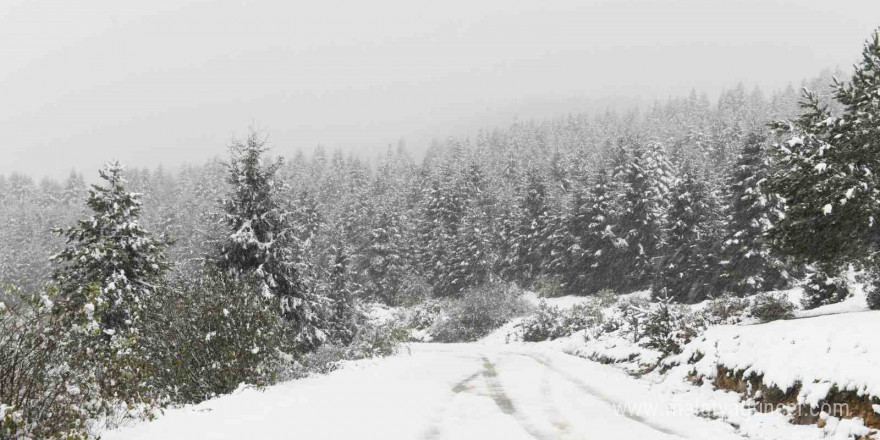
<point>172,81</point>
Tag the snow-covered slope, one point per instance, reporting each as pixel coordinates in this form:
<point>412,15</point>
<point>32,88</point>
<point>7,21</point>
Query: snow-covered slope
<point>834,346</point>
<point>841,349</point>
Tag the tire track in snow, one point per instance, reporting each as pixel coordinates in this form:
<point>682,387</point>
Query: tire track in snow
<point>601,396</point>
<point>434,432</point>
<point>464,385</point>
<point>502,401</point>
<point>505,404</point>
<point>553,413</point>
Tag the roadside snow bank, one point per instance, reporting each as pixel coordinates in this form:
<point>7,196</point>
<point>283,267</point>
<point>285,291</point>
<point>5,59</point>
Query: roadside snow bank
<point>612,349</point>
<point>843,350</point>
<point>856,302</point>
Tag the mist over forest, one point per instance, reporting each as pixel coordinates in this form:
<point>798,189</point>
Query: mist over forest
<point>561,150</point>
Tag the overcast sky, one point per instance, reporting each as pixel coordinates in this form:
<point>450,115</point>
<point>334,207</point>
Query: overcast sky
<point>169,82</point>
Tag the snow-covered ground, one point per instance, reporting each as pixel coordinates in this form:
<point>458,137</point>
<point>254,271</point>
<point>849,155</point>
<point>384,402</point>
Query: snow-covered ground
<point>442,391</point>
<point>841,349</point>
<point>830,345</point>
<point>501,387</point>
<point>819,352</point>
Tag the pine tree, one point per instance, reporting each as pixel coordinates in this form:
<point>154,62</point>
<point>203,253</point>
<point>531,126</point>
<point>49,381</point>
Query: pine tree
<point>106,280</point>
<point>472,259</point>
<point>727,130</point>
<point>111,264</point>
<point>591,240</point>
<point>688,258</point>
<point>343,324</point>
<point>643,179</point>
<point>827,175</point>
<point>443,208</point>
<point>265,242</point>
<point>528,246</point>
<point>307,219</point>
<point>384,260</point>
<point>75,189</point>
<point>748,264</point>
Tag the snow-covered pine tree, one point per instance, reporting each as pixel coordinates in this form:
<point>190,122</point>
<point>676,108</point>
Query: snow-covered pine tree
<point>472,259</point>
<point>111,265</point>
<point>528,247</point>
<point>784,104</point>
<point>75,189</point>
<point>728,126</point>
<point>561,253</point>
<point>444,204</point>
<point>307,218</point>
<point>688,260</point>
<point>264,241</point>
<point>591,239</point>
<point>446,201</point>
<point>643,180</point>
<point>198,226</point>
<point>343,317</point>
<point>748,264</point>
<point>384,259</point>
<point>662,174</point>
<point>106,279</point>
<point>827,175</point>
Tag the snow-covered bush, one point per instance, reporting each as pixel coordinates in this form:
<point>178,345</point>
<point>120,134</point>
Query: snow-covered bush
<point>544,324</point>
<point>371,341</point>
<point>479,311</point>
<point>549,322</point>
<point>42,394</point>
<point>874,298</point>
<point>377,341</point>
<point>550,287</point>
<point>661,326</point>
<point>423,316</point>
<point>207,336</point>
<point>669,327</point>
<point>606,298</point>
<point>872,281</point>
<point>325,359</point>
<point>768,307</point>
<point>822,288</point>
<point>10,423</point>
<point>415,289</point>
<point>627,318</point>
<point>726,309</point>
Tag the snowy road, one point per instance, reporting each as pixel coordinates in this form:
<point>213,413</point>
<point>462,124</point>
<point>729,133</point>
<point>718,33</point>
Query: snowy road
<point>440,391</point>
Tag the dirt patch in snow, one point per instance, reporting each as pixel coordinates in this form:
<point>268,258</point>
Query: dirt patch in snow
<point>796,400</point>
